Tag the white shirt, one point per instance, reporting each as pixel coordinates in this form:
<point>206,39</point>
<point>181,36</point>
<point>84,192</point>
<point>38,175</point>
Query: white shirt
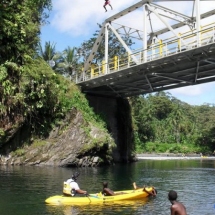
<point>73,184</point>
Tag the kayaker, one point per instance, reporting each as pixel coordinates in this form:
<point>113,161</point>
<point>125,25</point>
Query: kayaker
<point>75,189</point>
<point>151,193</point>
<point>108,192</point>
<point>176,208</point>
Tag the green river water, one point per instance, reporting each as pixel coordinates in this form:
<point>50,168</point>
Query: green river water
<point>23,190</point>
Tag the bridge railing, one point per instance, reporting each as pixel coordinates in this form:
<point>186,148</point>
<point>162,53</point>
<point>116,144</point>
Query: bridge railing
<point>170,46</point>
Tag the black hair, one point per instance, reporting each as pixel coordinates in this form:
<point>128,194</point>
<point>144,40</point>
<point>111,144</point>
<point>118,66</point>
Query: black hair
<point>75,176</point>
<point>172,195</point>
<point>105,184</point>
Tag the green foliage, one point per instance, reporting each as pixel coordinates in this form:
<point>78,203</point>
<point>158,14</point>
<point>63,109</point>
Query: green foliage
<point>67,64</point>
<point>20,27</point>
<point>41,98</point>
<point>48,53</point>
<point>18,152</point>
<point>31,93</point>
<point>1,131</point>
<point>162,123</point>
<point>79,101</point>
<point>38,143</point>
<point>154,147</point>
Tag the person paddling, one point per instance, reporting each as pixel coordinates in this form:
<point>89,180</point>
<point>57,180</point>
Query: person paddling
<point>75,189</point>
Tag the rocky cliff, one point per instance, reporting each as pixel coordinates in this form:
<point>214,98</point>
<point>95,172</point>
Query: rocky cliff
<point>74,143</point>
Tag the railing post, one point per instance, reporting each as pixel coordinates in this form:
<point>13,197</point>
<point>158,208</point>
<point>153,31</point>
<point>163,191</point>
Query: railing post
<point>115,62</point>
<point>103,67</point>
<point>179,42</point>
<point>92,70</point>
<point>214,35</point>
<point>153,50</point>
<point>161,47</point>
<point>129,58</point>
<point>99,68</point>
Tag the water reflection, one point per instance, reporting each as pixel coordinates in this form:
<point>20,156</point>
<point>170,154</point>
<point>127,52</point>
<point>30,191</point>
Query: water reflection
<point>125,207</point>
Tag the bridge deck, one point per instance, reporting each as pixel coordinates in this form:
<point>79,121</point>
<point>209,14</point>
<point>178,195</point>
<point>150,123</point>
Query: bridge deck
<point>169,64</point>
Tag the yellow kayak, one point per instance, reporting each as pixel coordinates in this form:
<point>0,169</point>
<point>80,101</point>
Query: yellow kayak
<point>98,198</point>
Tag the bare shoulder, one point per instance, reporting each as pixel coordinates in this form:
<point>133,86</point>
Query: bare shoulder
<point>178,209</point>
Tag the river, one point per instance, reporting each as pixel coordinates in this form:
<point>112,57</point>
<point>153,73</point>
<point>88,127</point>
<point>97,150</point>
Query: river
<point>23,190</point>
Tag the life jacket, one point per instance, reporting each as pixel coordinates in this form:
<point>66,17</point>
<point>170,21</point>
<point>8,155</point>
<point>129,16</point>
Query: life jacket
<point>67,190</point>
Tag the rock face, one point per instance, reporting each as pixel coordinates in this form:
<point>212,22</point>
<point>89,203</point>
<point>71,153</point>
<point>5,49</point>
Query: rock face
<point>74,143</point>
<point>117,114</point>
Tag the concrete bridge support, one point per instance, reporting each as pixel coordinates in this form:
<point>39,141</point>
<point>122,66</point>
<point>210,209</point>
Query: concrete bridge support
<point>117,113</point>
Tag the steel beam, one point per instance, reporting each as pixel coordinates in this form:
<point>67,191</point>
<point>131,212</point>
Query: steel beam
<point>95,48</point>
<point>181,24</point>
<point>123,44</point>
<point>149,83</point>
<point>106,48</point>
<point>165,23</point>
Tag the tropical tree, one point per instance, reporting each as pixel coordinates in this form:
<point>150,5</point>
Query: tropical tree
<point>49,53</point>
<point>176,119</point>
<point>162,105</point>
<point>68,64</point>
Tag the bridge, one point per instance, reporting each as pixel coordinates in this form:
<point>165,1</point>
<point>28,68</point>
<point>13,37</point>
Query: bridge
<point>181,53</point>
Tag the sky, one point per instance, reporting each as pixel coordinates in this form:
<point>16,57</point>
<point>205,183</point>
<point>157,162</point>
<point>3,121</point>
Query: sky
<point>72,22</point>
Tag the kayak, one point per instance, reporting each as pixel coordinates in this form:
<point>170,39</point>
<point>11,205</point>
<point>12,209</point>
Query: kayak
<point>98,198</point>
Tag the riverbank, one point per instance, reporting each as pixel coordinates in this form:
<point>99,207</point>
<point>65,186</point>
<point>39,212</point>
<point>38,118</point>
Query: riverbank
<point>171,156</point>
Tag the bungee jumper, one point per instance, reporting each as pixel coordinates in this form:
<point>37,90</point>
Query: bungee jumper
<point>107,2</point>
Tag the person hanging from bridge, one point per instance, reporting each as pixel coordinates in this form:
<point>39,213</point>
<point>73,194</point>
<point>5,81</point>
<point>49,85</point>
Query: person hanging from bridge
<point>107,2</point>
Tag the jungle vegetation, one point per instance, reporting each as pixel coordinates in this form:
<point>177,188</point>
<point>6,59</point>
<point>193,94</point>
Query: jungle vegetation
<point>165,124</point>
<point>37,92</point>
<point>31,92</point>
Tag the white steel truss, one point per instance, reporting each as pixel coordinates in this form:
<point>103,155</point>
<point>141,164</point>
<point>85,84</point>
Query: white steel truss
<point>148,38</point>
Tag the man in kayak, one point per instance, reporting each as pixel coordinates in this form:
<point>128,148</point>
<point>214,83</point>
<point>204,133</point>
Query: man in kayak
<point>151,193</point>
<point>176,208</point>
<point>75,189</point>
<point>108,192</point>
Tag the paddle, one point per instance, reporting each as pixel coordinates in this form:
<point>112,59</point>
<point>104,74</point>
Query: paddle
<point>94,196</point>
<point>88,196</point>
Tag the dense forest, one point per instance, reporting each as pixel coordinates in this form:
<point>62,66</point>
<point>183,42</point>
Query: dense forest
<point>37,89</point>
<point>165,124</point>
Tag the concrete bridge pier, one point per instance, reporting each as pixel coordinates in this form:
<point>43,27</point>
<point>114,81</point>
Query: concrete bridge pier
<point>117,114</point>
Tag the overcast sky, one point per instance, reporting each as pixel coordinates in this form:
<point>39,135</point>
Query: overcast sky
<point>75,21</point>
